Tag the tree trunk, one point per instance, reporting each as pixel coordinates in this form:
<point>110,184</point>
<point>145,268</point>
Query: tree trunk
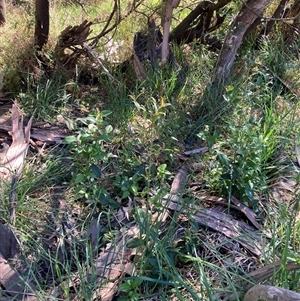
<point>2,12</point>
<point>41,33</point>
<point>247,15</point>
<point>279,13</point>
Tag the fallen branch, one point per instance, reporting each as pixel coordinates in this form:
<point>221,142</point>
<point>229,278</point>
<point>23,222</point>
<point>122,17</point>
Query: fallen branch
<point>217,221</point>
<point>174,197</point>
<point>297,153</point>
<point>270,293</point>
<point>51,135</point>
<point>259,276</point>
<point>247,211</point>
<point>200,150</point>
<point>237,205</point>
<point>96,58</point>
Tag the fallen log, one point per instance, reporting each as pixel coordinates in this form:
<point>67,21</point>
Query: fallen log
<point>270,293</point>
<point>49,135</point>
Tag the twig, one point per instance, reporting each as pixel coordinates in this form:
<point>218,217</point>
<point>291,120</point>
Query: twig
<point>119,18</point>
<point>247,211</point>
<point>12,198</point>
<point>171,201</point>
<point>93,54</point>
<point>200,150</point>
<point>287,85</point>
<point>297,153</point>
<point>37,148</point>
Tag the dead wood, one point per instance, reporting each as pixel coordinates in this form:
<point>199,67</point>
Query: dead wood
<point>292,31</point>
<point>42,22</point>
<point>270,293</point>
<point>13,160</point>
<point>97,59</point>
<point>49,135</point>
<point>176,191</point>
<point>200,151</point>
<point>11,168</point>
<point>138,68</point>
<point>74,35</point>
<point>148,46</point>
<point>2,12</point>
<point>152,41</point>
<point>114,262</point>
<point>234,203</point>
<point>247,15</point>
<point>13,284</point>
<point>178,184</point>
<point>10,278</point>
<point>54,135</point>
<point>70,38</point>
<point>225,224</point>
<point>247,211</point>
<point>198,24</point>
<point>260,275</point>
<point>217,221</point>
<point>264,273</point>
<point>9,246</point>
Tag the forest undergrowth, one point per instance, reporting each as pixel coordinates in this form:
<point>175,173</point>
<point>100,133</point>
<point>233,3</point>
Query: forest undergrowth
<point>166,187</point>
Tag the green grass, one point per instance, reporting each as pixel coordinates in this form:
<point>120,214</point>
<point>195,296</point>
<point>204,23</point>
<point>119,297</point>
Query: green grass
<point>116,169</point>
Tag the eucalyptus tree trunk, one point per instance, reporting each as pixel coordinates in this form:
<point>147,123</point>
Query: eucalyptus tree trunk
<point>247,15</point>
<point>2,12</point>
<point>41,33</point>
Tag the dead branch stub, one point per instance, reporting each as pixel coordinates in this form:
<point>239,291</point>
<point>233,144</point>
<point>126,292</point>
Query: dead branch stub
<point>70,38</point>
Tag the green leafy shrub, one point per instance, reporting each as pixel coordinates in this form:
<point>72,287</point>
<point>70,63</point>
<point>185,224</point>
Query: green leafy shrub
<point>242,162</point>
<point>91,156</point>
